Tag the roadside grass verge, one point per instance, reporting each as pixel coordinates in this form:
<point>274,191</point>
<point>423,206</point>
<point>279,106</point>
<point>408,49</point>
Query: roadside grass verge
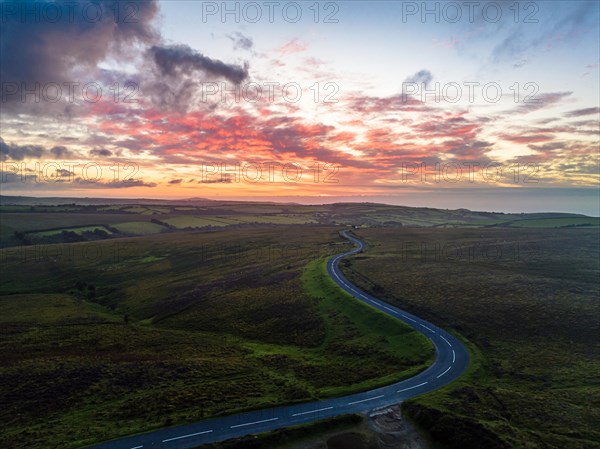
<point>358,329</point>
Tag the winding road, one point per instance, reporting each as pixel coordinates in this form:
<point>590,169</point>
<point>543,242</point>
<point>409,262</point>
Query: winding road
<point>452,358</point>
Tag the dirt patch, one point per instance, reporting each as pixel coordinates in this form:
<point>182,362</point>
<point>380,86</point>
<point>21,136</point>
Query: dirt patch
<point>393,431</point>
<point>385,428</point>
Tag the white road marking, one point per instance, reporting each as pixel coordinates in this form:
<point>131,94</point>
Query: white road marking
<point>185,436</point>
<point>137,447</point>
<point>447,369</point>
<point>365,400</point>
<point>351,289</point>
<point>410,388</point>
<point>255,422</point>
<point>313,411</point>
<point>364,298</point>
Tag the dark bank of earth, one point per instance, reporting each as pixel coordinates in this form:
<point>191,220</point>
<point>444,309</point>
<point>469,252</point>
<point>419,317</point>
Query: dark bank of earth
<point>381,429</point>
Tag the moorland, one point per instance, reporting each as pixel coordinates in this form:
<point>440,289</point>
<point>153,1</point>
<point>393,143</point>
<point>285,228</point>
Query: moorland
<point>119,316</point>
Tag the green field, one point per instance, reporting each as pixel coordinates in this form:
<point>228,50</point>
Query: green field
<point>21,215</point>
<point>76,230</point>
<point>556,222</point>
<point>189,221</point>
<point>139,228</point>
<point>527,300</point>
<point>172,328</point>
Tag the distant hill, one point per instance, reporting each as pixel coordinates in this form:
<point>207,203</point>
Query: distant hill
<point>30,220</point>
<point>6,200</point>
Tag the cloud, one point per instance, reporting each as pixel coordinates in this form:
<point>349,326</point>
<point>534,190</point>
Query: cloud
<point>381,105</point>
<point>240,41</point>
<point>558,29</point>
<point>543,101</point>
<point>175,181</point>
<point>291,47</point>
<point>174,84</point>
<point>469,149</point>
<point>421,77</point>
<point>64,173</point>
<point>10,151</point>
<point>115,184</point>
<point>18,153</point>
<point>582,112</point>
<point>547,147</point>
<point>512,47</point>
<point>454,127</point>
<point>61,152</point>
<point>527,138</point>
<point>44,51</point>
<point>181,60</point>
<point>100,152</point>
<point>226,178</point>
<point>73,50</point>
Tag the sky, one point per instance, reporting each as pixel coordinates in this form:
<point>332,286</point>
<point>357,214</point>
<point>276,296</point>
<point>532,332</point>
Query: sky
<point>479,105</point>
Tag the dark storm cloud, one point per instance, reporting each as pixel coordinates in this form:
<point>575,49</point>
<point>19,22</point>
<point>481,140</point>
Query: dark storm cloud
<point>35,49</point>
<point>178,60</point>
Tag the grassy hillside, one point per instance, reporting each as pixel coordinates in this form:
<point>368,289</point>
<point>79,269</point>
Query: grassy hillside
<point>528,301</point>
<point>219,307</point>
<point>120,336</point>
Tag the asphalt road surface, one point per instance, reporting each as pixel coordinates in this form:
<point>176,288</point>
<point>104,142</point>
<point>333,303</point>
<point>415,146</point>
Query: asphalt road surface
<point>452,358</point>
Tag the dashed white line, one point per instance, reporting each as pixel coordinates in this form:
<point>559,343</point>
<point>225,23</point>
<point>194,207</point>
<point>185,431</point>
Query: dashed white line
<point>411,388</point>
<point>137,447</point>
<point>365,400</point>
<point>360,295</point>
<point>184,436</point>
<point>447,369</point>
<point>312,411</point>
<point>255,422</point>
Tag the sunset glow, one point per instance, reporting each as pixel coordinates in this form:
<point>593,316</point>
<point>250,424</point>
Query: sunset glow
<point>354,101</point>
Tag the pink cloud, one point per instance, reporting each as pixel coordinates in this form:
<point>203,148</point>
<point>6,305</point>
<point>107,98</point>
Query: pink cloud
<point>291,47</point>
